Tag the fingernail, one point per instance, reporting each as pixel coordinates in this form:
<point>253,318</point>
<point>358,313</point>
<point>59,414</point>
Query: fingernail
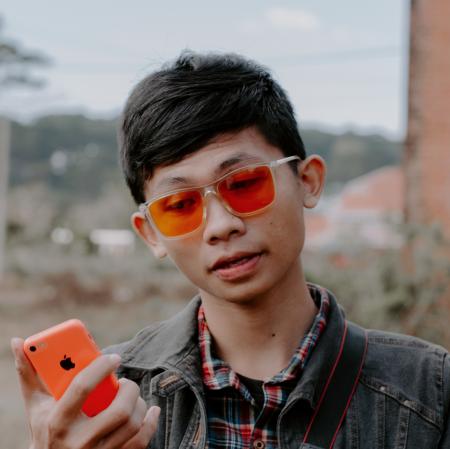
<point>154,412</point>
<point>14,344</point>
<point>115,359</point>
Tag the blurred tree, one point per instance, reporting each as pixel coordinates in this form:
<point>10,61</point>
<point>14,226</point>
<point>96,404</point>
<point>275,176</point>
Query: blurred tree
<point>350,155</point>
<point>15,63</point>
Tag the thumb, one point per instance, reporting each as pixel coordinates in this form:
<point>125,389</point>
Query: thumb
<point>30,383</point>
<point>151,419</point>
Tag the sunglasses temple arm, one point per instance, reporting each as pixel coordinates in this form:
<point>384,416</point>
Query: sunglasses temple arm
<point>284,160</point>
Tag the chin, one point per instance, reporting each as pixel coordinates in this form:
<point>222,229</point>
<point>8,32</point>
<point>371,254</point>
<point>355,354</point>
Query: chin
<point>245,292</point>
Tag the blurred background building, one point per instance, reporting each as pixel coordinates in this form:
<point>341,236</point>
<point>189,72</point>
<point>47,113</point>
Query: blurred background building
<point>427,147</point>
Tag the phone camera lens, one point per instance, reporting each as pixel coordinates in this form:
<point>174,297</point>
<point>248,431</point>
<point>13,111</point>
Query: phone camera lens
<point>32,348</point>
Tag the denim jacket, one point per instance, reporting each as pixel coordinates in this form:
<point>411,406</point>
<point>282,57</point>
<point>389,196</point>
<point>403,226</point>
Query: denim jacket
<point>401,402</point>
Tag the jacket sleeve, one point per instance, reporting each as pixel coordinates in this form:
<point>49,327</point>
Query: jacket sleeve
<point>445,440</point>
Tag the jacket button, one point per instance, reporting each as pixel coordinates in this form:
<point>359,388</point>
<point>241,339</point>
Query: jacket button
<point>258,444</point>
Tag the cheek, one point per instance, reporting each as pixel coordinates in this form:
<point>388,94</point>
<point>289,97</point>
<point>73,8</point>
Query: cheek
<point>287,223</point>
<point>288,235</point>
<point>185,256</point>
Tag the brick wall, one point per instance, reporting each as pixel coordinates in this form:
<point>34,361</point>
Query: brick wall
<point>427,147</point>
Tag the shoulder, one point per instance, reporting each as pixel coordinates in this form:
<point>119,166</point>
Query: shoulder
<point>411,371</point>
<point>145,334</point>
<point>163,343</point>
<point>390,354</point>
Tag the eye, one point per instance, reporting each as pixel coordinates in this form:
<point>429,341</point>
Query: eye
<point>244,181</point>
<point>180,203</point>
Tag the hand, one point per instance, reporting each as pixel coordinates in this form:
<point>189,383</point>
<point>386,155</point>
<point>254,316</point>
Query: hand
<point>125,424</point>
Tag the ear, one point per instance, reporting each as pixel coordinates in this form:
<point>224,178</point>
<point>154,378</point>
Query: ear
<point>312,173</point>
<point>146,232</point>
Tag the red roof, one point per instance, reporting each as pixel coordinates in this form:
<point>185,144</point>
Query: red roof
<point>379,193</point>
<point>381,190</point>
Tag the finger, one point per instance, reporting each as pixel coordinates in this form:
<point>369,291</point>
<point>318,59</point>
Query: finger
<point>129,429</point>
<point>119,411</point>
<point>30,383</point>
<point>142,439</point>
<point>84,382</point>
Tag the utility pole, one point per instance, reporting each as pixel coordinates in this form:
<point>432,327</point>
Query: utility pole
<point>5,136</point>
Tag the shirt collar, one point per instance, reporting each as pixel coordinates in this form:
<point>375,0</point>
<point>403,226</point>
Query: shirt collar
<point>217,374</point>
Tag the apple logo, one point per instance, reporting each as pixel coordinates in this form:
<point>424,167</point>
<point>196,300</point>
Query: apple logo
<point>66,363</point>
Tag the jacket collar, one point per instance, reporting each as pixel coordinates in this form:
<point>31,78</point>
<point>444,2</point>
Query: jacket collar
<point>318,369</point>
<point>173,345</point>
<point>169,345</point>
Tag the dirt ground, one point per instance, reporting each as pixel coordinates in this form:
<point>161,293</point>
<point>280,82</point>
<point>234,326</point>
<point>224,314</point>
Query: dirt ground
<point>27,309</point>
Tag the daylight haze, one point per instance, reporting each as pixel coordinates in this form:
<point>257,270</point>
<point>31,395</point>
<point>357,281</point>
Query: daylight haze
<point>343,63</point>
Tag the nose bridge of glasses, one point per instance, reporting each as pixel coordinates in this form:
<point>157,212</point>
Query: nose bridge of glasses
<point>212,189</point>
<point>209,190</point>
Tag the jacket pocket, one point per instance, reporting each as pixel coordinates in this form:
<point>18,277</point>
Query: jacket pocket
<point>389,421</point>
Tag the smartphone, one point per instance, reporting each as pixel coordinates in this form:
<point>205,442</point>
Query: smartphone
<point>62,351</point>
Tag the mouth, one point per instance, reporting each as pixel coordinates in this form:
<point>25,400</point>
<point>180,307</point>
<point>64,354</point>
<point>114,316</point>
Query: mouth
<point>236,266</point>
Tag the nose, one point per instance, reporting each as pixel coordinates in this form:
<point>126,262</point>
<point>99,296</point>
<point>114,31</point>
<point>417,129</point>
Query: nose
<point>221,224</point>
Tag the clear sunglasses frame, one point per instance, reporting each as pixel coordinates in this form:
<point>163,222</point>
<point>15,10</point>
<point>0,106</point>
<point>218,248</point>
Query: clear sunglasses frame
<point>211,188</point>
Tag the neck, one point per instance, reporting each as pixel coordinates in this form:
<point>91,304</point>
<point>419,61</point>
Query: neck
<point>257,337</point>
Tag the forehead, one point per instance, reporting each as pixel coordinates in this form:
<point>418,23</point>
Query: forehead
<point>224,153</point>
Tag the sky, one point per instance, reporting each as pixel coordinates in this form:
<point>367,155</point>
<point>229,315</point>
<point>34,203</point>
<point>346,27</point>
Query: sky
<point>343,64</point>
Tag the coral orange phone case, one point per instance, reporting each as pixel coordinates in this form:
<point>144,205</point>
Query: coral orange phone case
<point>59,353</point>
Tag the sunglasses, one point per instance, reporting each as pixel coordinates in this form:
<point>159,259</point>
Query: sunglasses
<point>244,192</point>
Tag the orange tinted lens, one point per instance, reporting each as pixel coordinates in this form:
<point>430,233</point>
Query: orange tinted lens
<point>248,190</point>
<point>177,214</point>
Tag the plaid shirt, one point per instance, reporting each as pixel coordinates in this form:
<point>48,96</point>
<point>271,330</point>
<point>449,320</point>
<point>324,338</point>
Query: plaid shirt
<point>238,419</point>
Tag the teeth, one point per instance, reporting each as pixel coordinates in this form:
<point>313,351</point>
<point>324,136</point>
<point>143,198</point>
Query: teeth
<point>236,262</point>
<point>239,261</point>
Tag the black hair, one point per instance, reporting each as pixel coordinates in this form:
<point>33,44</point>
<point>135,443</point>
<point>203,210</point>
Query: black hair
<point>178,109</point>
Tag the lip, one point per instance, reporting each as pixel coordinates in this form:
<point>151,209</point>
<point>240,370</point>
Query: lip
<point>225,271</point>
<point>228,259</point>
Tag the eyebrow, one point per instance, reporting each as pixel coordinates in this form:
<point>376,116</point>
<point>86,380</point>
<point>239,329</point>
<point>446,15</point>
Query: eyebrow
<point>179,181</point>
<point>236,159</point>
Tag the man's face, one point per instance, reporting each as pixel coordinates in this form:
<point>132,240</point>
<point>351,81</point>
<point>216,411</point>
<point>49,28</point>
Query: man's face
<point>230,257</point>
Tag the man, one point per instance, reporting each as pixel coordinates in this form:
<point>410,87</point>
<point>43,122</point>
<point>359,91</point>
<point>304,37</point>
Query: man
<point>212,154</point>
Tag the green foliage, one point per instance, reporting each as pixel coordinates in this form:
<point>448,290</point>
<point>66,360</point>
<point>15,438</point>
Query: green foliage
<point>73,155</point>
<point>88,150</point>
<point>399,290</point>
<point>350,155</point>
